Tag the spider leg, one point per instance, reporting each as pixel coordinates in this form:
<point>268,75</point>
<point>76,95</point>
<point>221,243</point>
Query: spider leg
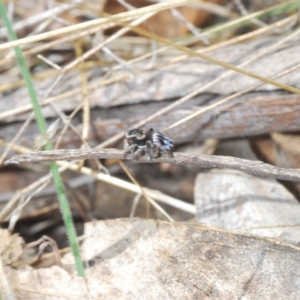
<point>130,148</point>
<point>169,153</point>
<point>139,152</point>
<point>125,145</point>
<point>156,151</point>
<point>151,150</point>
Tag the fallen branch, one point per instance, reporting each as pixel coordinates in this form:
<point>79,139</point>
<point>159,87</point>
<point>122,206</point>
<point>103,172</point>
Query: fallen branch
<point>257,168</point>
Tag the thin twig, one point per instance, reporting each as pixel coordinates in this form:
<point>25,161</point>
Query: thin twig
<point>33,20</point>
<point>147,197</point>
<point>256,168</point>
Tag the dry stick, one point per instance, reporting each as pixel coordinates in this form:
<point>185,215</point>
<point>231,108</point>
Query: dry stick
<point>190,117</point>
<point>12,203</point>
<point>239,39</point>
<point>254,57</point>
<point>256,168</point>
<point>244,12</point>
<point>26,123</point>
<point>16,213</point>
<point>67,123</point>
<point>85,99</point>
<point>44,47</point>
<point>134,205</point>
<point>215,9</point>
<point>27,107</point>
<point>47,21</point>
<point>86,118</point>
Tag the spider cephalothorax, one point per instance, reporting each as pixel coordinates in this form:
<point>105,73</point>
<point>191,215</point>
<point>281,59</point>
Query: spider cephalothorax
<point>135,142</point>
<point>139,142</point>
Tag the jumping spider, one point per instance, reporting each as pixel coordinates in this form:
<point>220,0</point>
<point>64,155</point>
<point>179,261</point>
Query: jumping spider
<point>139,142</point>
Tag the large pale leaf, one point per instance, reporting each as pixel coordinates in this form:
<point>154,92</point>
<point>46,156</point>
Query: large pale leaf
<point>147,259</point>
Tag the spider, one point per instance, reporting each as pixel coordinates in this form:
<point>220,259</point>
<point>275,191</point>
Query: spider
<point>139,142</point>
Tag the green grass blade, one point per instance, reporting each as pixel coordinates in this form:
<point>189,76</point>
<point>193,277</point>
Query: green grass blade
<point>63,201</point>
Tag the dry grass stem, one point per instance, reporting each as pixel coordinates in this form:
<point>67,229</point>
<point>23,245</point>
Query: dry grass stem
<point>123,17</point>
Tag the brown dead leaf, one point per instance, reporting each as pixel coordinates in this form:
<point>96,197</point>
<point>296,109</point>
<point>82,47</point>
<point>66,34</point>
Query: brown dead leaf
<point>281,150</point>
<point>147,259</point>
<point>10,246</point>
<point>288,142</point>
<point>164,23</point>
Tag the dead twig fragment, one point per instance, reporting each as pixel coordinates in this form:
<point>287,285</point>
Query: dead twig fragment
<point>256,168</point>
